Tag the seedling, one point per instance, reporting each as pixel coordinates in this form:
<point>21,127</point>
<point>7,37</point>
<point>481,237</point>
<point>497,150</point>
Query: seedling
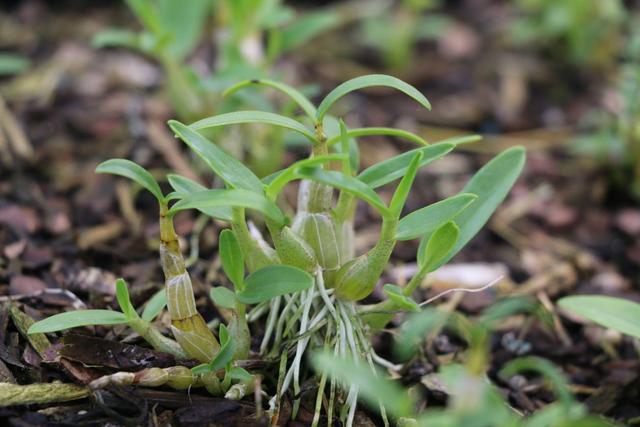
<point>473,400</point>
<point>573,32</point>
<point>172,30</point>
<point>194,339</point>
<point>319,238</point>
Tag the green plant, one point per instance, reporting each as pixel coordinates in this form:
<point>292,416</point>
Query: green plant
<point>615,313</point>
<point>193,337</point>
<point>11,64</point>
<point>612,135</point>
<point>396,32</point>
<point>472,399</point>
<point>172,30</point>
<point>577,32</point>
<point>320,237</point>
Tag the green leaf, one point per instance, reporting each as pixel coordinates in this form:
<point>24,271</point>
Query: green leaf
<point>615,313</point>
<point>372,386</point>
<point>263,117</point>
<point>122,295</point>
<point>232,258</point>
<point>146,14</point>
<point>345,143</point>
<point>425,220</point>
<point>391,169</point>
<point>184,25</point>
<point>305,27</point>
<point>439,245</point>
<point>291,92</point>
<point>403,189</point>
<point>351,185</point>
<point>232,171</point>
<point>378,131</point>
<point>206,199</point>
<point>184,186</point>
<point>223,297</point>
<point>13,64</point>
<point>115,37</point>
<point>402,301</point>
<point>154,306</point>
<point>76,318</point>
<point>273,281</point>
<point>368,81</point>
<point>239,374</point>
<point>134,172</point>
<point>491,184</point>
<point>281,178</point>
<point>224,356</point>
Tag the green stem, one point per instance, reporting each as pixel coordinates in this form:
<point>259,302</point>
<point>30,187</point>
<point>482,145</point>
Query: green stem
<point>158,341</point>
<point>256,254</point>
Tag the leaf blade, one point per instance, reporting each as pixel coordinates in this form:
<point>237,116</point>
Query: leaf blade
<point>426,220</point>
<point>249,116</point>
<point>273,281</point>
<point>291,92</point>
<point>184,186</point>
<point>232,258</point>
<point>202,200</point>
<point>613,313</point>
<point>369,81</point>
<point>133,171</point>
<point>232,171</point>
<point>77,318</point>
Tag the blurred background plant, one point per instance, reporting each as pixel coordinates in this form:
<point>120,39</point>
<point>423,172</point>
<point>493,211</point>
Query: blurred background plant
<point>173,30</point>
<point>395,32</point>
<point>578,32</point>
<point>611,133</point>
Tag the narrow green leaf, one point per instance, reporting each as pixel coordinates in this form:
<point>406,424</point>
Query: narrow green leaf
<point>380,131</point>
<point>14,64</point>
<point>391,169</point>
<point>184,186</point>
<point>283,177</point>
<point>134,172</point>
<point>402,301</point>
<point>615,313</point>
<point>239,374</point>
<point>238,117</point>
<point>146,14</point>
<point>115,37</point>
<point>351,185</point>
<point>425,220</point>
<point>223,297</point>
<point>439,245</point>
<point>291,92</point>
<point>224,356</point>
<point>232,171</point>
<point>232,258</point>
<point>236,198</point>
<point>74,319</point>
<point>273,281</point>
<point>154,306</point>
<point>403,189</point>
<point>372,386</point>
<point>122,295</point>
<point>368,81</point>
<point>491,184</point>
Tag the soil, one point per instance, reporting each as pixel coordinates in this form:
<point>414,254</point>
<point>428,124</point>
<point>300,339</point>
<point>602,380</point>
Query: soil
<point>67,233</point>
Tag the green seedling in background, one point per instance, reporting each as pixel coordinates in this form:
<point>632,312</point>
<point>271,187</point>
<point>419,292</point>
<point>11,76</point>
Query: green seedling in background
<point>473,400</point>
<point>172,29</point>
<point>578,33</point>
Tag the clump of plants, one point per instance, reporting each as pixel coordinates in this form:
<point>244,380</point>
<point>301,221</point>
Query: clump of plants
<point>471,397</point>
<point>611,134</point>
<point>303,272</point>
<point>172,30</point>
<point>575,32</point>
<point>396,32</point>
